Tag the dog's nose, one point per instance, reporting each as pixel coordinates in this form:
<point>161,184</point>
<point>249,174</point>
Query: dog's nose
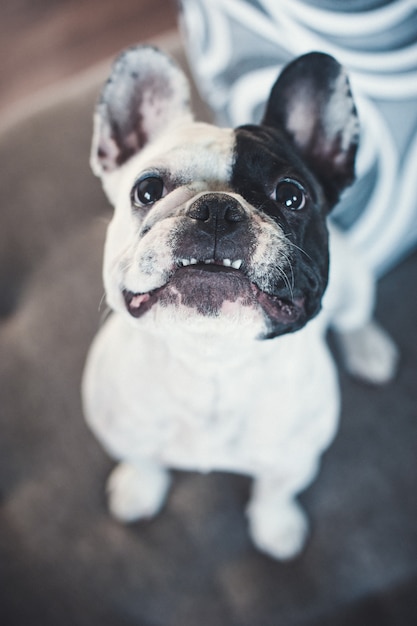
<point>217,211</point>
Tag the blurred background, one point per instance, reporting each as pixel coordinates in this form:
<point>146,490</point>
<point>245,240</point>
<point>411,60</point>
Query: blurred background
<point>45,41</point>
<point>63,560</point>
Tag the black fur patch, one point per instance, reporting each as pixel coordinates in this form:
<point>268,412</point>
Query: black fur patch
<point>263,157</point>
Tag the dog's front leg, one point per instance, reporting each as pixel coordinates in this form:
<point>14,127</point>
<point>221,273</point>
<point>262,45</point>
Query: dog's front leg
<point>277,523</point>
<point>137,490</point>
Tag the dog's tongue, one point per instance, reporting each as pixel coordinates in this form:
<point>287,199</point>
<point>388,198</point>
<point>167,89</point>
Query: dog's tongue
<point>137,300</point>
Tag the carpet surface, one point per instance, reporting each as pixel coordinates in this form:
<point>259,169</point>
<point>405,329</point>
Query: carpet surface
<point>63,560</point>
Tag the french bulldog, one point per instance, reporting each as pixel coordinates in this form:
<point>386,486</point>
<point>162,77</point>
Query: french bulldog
<point>216,266</point>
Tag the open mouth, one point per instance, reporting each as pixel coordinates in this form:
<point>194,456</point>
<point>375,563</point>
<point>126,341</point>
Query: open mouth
<point>207,285</point>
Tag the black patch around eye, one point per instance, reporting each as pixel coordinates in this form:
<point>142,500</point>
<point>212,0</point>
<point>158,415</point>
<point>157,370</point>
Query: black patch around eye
<point>147,190</point>
<point>290,195</point>
<point>264,156</point>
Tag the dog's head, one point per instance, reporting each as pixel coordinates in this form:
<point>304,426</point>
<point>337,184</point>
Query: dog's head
<point>216,227</point>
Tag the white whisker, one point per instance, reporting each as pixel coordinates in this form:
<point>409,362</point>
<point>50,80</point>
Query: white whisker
<point>289,264</point>
<point>298,248</point>
<point>102,300</point>
<point>286,281</point>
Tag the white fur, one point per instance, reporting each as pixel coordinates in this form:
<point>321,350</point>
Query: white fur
<point>174,398</point>
<point>265,409</point>
<point>282,536</point>
<point>205,154</point>
<point>178,389</point>
<point>136,490</point>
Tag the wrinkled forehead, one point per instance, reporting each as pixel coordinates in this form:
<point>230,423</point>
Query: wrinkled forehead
<point>191,151</point>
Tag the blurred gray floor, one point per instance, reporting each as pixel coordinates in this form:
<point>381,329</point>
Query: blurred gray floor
<point>63,560</point>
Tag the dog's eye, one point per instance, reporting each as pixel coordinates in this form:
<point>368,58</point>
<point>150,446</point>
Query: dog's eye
<point>290,194</point>
<point>147,191</point>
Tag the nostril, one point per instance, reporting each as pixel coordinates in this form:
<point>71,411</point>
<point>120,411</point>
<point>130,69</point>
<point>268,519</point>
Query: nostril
<point>199,211</point>
<point>233,213</point>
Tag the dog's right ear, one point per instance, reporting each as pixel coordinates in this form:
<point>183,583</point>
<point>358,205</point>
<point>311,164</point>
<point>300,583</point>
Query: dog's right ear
<point>146,91</point>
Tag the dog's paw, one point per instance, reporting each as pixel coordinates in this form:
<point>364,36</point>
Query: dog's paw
<point>279,530</point>
<point>369,354</point>
<point>136,491</point>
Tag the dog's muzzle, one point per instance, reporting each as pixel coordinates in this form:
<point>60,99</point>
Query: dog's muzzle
<point>213,269</point>
<point>217,229</point>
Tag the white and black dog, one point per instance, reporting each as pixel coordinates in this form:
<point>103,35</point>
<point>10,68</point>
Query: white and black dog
<point>216,262</point>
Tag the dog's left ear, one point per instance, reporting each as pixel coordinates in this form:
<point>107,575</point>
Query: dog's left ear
<point>146,92</point>
<point>313,102</point>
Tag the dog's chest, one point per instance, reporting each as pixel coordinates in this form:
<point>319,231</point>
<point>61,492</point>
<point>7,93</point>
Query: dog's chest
<point>202,413</point>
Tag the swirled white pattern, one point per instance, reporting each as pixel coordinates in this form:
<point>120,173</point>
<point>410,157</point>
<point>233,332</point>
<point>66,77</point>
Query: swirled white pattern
<point>236,49</point>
